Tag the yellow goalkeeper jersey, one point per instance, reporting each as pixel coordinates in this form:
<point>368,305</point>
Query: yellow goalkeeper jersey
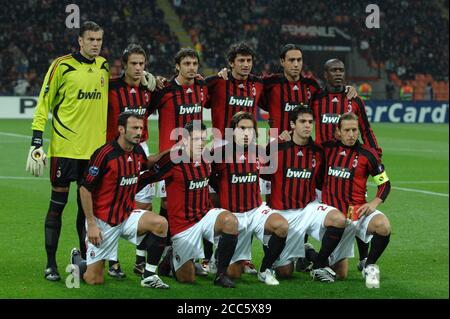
<point>75,91</point>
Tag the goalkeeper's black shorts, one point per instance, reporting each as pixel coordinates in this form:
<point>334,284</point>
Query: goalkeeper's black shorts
<point>63,171</point>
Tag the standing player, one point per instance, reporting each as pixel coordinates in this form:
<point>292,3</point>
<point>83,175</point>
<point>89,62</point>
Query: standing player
<point>348,165</point>
<point>299,173</point>
<point>75,90</point>
<point>127,93</point>
<point>328,106</point>
<point>190,216</point>
<point>236,171</point>
<point>284,92</point>
<point>107,193</point>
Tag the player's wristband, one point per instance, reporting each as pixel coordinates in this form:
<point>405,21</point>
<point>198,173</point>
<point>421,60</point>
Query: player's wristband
<point>36,141</point>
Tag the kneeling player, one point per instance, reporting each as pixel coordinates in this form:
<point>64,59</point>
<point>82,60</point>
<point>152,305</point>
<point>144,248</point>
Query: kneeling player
<point>348,166</point>
<point>236,175</point>
<point>294,183</point>
<point>189,213</point>
<point>107,194</point>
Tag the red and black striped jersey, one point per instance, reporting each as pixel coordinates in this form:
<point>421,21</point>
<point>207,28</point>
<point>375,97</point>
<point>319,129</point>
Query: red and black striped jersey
<point>227,97</point>
<point>123,97</point>
<point>112,178</point>
<point>236,176</point>
<point>299,172</point>
<point>347,169</point>
<point>282,96</point>
<point>187,194</point>
<point>328,108</point>
<point>177,105</point>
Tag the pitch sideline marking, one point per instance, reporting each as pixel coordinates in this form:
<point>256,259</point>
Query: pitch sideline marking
<point>413,190</point>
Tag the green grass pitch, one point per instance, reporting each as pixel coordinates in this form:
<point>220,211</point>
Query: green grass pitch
<point>415,264</point>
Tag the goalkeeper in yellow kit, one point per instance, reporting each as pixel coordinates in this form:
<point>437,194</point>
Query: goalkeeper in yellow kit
<point>75,91</point>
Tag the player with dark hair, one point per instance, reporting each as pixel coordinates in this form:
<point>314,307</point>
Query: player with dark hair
<point>75,90</point>
<point>127,93</point>
<point>241,91</point>
<point>328,106</point>
<point>179,102</point>
<point>300,172</point>
<point>190,217</point>
<point>107,193</point>
<point>348,166</point>
<point>236,181</point>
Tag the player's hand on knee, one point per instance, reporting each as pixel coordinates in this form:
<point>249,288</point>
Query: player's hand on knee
<point>94,234</point>
<point>148,80</point>
<point>36,161</point>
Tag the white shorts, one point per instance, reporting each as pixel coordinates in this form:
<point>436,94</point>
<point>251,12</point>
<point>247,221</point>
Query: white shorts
<point>146,194</point>
<point>251,223</point>
<point>108,248</point>
<point>188,244</point>
<point>358,228</point>
<point>309,220</point>
<point>265,186</point>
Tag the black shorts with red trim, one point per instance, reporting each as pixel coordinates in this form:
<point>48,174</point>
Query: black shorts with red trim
<point>63,171</point>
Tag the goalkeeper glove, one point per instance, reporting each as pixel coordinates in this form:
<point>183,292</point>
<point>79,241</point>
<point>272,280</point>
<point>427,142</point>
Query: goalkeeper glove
<point>148,81</point>
<point>37,159</point>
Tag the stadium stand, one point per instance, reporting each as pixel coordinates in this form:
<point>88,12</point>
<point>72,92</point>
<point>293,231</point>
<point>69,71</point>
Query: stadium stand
<point>33,33</point>
<point>414,50</point>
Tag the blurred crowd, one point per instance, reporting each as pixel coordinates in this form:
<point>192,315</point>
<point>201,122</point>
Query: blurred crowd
<point>33,33</point>
<point>412,38</point>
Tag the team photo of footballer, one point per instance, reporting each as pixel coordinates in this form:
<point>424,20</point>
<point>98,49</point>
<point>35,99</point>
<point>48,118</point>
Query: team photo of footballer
<point>192,145</point>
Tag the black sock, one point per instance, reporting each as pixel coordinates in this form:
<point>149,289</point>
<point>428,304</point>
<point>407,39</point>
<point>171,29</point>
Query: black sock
<point>274,248</point>
<point>363,248</point>
<point>378,244</point>
<point>330,241</point>
<point>53,225</point>
<point>139,259</point>
<point>306,238</point>
<point>311,255</point>
<point>208,249</point>
<point>81,263</point>
<point>81,227</point>
<point>154,245</point>
<point>112,262</point>
<point>225,250</point>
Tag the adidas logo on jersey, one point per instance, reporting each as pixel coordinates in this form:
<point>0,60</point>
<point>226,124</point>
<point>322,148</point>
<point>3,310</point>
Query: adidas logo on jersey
<point>90,70</point>
<point>188,91</point>
<point>198,184</point>
<point>339,172</point>
<point>290,107</point>
<point>240,101</point>
<point>298,173</point>
<point>190,109</point>
<point>295,88</point>
<point>133,91</point>
<point>239,179</point>
<point>89,95</point>
<point>335,99</point>
<point>126,181</point>
<point>330,118</point>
